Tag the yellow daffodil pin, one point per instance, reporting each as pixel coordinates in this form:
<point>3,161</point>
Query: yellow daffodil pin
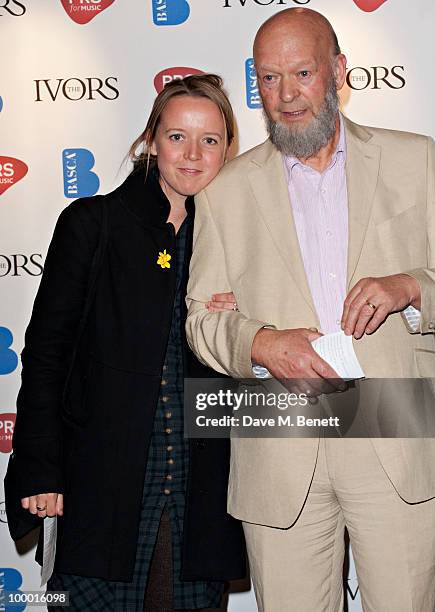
<point>164,259</point>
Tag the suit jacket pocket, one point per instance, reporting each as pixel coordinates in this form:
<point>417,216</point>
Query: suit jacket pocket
<point>425,361</point>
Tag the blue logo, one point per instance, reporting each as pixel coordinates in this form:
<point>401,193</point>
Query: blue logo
<point>170,12</point>
<point>11,580</point>
<point>8,357</point>
<point>253,99</point>
<point>1,104</point>
<point>78,179</point>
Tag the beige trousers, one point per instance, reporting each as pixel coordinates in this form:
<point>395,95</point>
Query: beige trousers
<point>300,569</point>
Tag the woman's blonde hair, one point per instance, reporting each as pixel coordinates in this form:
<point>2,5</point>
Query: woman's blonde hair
<point>208,86</point>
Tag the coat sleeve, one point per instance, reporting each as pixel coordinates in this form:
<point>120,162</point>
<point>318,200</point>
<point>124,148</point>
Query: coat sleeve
<point>35,465</point>
<point>426,276</point>
<point>221,340</point>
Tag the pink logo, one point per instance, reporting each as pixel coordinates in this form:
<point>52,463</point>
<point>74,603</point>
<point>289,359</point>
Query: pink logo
<point>170,74</point>
<point>7,424</point>
<point>82,11</point>
<point>369,5</point>
<point>11,171</point>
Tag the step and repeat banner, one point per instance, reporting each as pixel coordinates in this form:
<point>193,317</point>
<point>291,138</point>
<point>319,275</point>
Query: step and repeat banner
<point>77,82</point>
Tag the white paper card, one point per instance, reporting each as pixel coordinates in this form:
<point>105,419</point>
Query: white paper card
<point>50,534</point>
<point>337,350</point>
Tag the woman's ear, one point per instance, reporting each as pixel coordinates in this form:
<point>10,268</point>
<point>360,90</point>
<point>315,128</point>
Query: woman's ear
<point>150,144</point>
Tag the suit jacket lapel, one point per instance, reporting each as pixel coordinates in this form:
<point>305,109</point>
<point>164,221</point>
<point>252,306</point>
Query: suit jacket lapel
<point>362,170</point>
<point>269,187</point>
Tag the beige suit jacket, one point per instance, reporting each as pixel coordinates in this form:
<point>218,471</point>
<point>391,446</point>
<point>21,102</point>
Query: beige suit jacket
<point>245,241</point>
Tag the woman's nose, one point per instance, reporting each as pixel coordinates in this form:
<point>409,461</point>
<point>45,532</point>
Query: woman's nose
<point>192,151</point>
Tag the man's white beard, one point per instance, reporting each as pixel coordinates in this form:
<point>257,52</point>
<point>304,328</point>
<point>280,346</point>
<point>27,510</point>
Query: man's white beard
<point>305,142</point>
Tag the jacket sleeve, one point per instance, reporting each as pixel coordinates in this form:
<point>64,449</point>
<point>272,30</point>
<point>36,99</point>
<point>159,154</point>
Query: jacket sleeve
<point>221,340</point>
<point>426,276</point>
<point>35,465</point>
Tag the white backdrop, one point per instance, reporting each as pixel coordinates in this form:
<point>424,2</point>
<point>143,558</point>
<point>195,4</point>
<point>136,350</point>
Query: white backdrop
<point>76,86</point>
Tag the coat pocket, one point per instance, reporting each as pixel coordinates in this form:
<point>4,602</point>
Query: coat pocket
<point>425,361</point>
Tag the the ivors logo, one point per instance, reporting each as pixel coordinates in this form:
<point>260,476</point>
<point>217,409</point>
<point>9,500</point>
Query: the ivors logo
<point>12,7</point>
<point>287,3</point>
<point>11,171</point>
<point>82,11</point>
<point>170,74</point>
<point>369,5</point>
<point>376,77</point>
<point>76,89</point>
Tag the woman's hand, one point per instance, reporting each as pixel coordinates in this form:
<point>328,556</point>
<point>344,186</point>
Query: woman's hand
<point>222,301</point>
<point>45,504</point>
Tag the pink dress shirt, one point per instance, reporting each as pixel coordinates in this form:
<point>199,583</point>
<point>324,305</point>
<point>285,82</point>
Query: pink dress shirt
<point>320,211</point>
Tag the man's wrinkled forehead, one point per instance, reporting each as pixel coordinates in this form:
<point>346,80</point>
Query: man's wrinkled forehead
<point>291,30</point>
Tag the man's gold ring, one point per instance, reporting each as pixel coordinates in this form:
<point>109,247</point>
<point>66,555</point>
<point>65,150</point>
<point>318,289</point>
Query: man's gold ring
<point>371,305</point>
<point>40,509</point>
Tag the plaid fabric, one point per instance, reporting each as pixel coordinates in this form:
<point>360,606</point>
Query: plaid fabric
<point>165,484</point>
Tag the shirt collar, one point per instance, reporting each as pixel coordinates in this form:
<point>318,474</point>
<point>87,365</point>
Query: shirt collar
<point>340,153</point>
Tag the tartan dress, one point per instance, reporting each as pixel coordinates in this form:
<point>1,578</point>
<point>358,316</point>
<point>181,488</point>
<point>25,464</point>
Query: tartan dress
<point>164,486</point>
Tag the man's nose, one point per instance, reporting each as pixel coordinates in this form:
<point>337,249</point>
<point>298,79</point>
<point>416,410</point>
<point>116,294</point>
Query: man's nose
<point>288,90</point>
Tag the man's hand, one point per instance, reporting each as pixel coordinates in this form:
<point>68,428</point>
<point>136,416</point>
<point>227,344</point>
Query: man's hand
<point>288,354</point>
<point>371,300</point>
<point>222,301</point>
<point>52,504</point>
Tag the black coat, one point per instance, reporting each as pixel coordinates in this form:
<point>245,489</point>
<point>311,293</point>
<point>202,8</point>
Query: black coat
<point>89,438</point>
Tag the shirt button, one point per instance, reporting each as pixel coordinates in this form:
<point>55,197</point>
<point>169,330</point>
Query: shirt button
<point>169,448</point>
<point>165,398</point>
<point>171,461</point>
<point>168,430</point>
<point>165,367</point>
<point>431,325</point>
<point>164,382</point>
<point>168,477</point>
<point>168,415</point>
<point>332,275</point>
<point>166,491</point>
<point>338,322</point>
<point>328,233</point>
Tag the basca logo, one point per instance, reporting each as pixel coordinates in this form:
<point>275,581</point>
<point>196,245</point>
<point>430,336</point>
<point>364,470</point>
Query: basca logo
<point>11,171</point>
<point>75,89</point>
<point>78,179</point>
<point>8,357</point>
<point>376,77</point>
<point>170,12</point>
<point>253,99</point>
<point>231,3</point>
<point>369,5</point>
<point>12,7</point>
<point>11,580</point>
<point>7,424</point>
<point>19,265</point>
<point>82,11</point>
<point>171,74</point>
<point>3,517</point>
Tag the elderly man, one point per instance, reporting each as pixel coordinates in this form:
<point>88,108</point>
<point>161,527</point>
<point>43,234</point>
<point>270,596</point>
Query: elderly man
<point>326,225</point>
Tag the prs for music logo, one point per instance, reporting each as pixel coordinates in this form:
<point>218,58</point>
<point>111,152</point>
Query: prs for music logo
<point>11,171</point>
<point>82,11</point>
<point>171,74</point>
<point>368,6</point>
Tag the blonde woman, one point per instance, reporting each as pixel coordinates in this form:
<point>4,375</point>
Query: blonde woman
<point>98,442</point>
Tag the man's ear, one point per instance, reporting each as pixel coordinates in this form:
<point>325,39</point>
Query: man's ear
<point>339,69</point>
